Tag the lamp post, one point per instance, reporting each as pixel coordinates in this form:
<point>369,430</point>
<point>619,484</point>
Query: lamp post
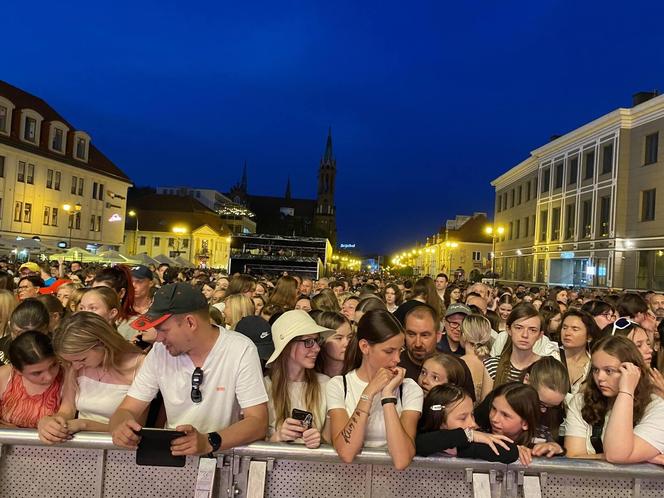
<point>494,232</point>
<point>72,211</point>
<point>134,214</point>
<point>450,245</point>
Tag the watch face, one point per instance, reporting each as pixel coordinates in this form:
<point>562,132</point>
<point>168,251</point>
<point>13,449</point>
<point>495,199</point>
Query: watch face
<point>215,440</point>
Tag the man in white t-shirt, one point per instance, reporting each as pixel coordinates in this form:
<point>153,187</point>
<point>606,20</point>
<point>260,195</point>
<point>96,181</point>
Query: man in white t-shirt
<point>206,376</point>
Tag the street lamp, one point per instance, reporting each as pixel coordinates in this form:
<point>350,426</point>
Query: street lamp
<point>72,212</point>
<point>494,232</point>
<point>450,245</point>
<point>134,214</point>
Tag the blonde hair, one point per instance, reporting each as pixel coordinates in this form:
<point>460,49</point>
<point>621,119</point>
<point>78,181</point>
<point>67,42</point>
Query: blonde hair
<point>85,330</point>
<point>75,299</point>
<point>476,330</point>
<point>237,307</point>
<point>7,305</point>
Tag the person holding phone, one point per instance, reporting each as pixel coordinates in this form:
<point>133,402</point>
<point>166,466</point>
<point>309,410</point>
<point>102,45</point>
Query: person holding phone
<point>297,407</point>
<point>374,404</point>
<point>206,374</point>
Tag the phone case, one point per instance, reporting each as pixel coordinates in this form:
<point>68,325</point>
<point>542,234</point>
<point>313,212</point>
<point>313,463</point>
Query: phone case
<point>155,448</point>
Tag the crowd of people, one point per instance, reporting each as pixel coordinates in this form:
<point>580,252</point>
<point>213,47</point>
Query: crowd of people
<point>419,367</point>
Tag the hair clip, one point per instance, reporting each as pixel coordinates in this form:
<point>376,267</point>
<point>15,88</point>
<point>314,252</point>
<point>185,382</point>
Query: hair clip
<point>437,408</point>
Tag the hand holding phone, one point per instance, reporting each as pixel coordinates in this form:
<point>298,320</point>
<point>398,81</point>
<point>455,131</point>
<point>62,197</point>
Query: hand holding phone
<point>154,448</point>
<point>304,417</point>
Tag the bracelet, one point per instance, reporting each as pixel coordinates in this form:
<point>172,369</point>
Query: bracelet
<point>388,399</point>
<point>469,434</point>
<point>628,393</point>
<point>365,397</point>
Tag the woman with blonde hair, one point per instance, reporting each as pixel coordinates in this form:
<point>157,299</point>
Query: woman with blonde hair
<point>237,306</point>
<point>100,365</point>
<point>7,304</point>
<point>75,299</point>
<point>476,341</point>
<point>102,301</point>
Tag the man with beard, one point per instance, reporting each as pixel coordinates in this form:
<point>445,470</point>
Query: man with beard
<point>657,305</point>
<point>422,335</point>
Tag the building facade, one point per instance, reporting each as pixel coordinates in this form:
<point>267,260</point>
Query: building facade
<point>583,210</point>
<point>55,185</point>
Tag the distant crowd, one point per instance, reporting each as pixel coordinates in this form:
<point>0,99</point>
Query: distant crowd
<point>421,366</point>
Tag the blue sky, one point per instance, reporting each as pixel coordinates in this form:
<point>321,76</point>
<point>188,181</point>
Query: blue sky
<point>428,101</point>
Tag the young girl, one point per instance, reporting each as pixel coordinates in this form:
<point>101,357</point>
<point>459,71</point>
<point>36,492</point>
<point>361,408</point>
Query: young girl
<point>393,297</point>
<point>476,342</point>
<point>373,404</point>
<point>447,423</point>
<point>524,327</point>
<point>30,387</point>
<point>237,306</point>
<point>439,369</point>
<point>504,308</point>
<point>616,416</point>
<point>293,383</point>
<point>119,279</point>
<point>103,302</point>
<point>330,361</point>
<point>101,365</point>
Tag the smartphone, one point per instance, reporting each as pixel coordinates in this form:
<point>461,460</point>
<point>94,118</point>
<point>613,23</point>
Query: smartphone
<point>303,416</point>
<point>154,448</point>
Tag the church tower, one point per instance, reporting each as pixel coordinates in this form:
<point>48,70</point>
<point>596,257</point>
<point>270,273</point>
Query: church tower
<point>325,223</point>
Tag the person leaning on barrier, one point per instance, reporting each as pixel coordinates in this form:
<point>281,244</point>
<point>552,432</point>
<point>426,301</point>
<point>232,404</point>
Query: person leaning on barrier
<point>374,404</point>
<point>616,415</point>
<point>206,375</point>
<point>292,383</point>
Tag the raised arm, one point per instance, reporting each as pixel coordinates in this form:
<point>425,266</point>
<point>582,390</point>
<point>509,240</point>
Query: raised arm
<point>400,430</point>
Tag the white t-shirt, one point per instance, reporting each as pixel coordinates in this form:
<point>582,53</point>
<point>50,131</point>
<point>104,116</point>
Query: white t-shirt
<point>650,428</point>
<point>232,380</point>
<point>375,434</point>
<point>296,393</point>
<point>543,347</point>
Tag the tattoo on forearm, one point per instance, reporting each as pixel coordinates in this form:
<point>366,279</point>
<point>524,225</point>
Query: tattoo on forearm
<point>348,430</point>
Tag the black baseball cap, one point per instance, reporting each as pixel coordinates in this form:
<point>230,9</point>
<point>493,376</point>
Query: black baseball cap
<point>171,299</point>
<point>142,272</point>
<point>260,332</point>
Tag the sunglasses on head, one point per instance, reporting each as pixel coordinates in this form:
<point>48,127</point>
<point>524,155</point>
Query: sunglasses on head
<point>196,381</point>
<point>621,324</point>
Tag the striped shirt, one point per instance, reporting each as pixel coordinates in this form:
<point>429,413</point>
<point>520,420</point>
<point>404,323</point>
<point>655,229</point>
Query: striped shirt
<point>491,365</point>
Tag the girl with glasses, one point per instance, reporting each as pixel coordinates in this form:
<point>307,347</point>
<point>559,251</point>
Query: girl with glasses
<point>293,385</point>
<point>616,416</point>
<point>373,404</point>
<point>603,313</point>
<point>100,367</point>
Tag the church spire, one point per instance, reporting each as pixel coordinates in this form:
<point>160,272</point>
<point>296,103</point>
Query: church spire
<point>328,157</point>
<point>243,182</point>
<point>288,189</point>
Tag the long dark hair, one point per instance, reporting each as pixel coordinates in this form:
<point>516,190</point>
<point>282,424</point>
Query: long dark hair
<point>118,277</point>
<point>525,402</point>
<point>521,311</point>
<point>375,327</point>
<point>30,348</point>
<point>438,404</point>
<point>593,333</point>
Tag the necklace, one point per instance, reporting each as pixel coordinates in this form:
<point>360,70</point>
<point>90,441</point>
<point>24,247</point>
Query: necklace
<point>101,375</point>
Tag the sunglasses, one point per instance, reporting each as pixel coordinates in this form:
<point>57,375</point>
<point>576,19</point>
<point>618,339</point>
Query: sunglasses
<point>309,342</point>
<point>621,324</point>
<point>196,381</point>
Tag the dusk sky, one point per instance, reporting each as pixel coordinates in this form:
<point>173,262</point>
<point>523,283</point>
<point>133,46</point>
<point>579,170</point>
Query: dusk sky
<point>428,100</point>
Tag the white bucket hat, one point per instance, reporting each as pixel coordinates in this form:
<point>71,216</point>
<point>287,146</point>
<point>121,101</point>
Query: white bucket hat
<point>292,324</point>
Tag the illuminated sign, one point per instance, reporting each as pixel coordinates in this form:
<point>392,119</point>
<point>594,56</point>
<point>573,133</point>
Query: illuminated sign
<point>346,246</point>
<point>567,255</point>
<point>115,217</point>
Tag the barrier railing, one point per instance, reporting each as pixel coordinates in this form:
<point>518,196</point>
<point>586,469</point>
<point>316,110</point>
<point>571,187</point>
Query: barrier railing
<point>90,465</point>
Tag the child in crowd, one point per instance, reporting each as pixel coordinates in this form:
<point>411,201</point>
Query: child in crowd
<point>439,369</point>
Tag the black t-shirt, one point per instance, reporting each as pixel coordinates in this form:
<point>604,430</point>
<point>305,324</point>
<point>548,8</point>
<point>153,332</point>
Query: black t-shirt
<point>444,347</point>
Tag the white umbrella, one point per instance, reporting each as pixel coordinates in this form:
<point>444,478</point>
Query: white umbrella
<point>116,257</point>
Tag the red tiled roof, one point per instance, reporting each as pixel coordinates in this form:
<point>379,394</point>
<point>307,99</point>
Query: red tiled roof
<point>97,161</point>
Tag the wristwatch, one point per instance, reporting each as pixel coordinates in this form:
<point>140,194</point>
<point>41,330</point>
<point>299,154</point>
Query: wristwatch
<point>215,441</point>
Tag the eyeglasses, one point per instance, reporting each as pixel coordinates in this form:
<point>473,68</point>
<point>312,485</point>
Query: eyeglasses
<point>621,324</point>
<point>453,325</point>
<point>196,381</point>
<point>310,341</point>
<point>609,315</point>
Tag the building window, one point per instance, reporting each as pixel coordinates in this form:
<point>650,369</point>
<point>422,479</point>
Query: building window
<point>4,119</point>
<point>141,240</point>
<point>544,221</point>
<point>78,221</point>
<point>47,215</point>
<point>528,191</point>
<point>20,177</point>
<point>558,175</point>
<point>570,216</point>
<point>54,217</point>
<point>477,256</point>
<point>80,148</point>
<point>604,215</point>
<point>74,182</point>
<point>517,229</point>
<point>94,190</point>
<point>185,243</point>
<point>586,218</point>
<point>555,224</point>
<point>607,159</point>
<point>498,202</point>
<point>58,142</point>
<point>512,198</point>
<point>58,177</point>
<point>27,213</point>
<point>93,222</point>
<point>648,205</point>
<point>518,195</point>
<point>2,166</point>
<point>546,180</point>
<point>171,242</point>
<point>30,177</point>
<point>525,226</point>
<point>504,201</point>
<point>30,129</point>
<point>573,165</point>
<point>157,241</point>
<point>589,165</point>
<point>80,186</point>
<point>100,193</point>
<point>99,223</point>
<point>652,143</point>
<point>510,230</point>
<point>532,225</point>
<point>18,211</point>
<point>49,178</point>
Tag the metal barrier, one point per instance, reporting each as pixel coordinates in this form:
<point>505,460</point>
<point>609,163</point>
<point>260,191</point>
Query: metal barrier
<point>91,466</point>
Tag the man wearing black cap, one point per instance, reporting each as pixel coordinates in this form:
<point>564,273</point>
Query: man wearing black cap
<point>451,342</point>
<point>142,280</point>
<point>206,377</point>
